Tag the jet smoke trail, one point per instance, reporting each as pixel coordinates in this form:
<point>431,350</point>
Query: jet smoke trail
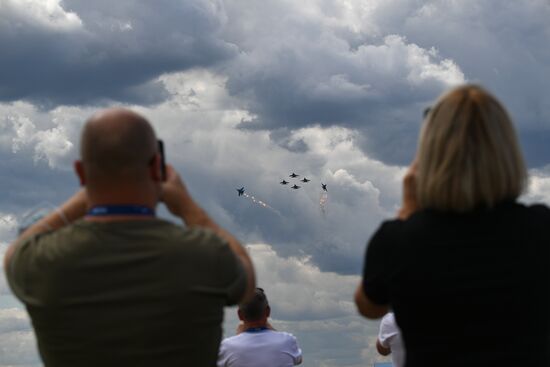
<point>261,203</point>
<point>323,200</point>
<point>8,219</point>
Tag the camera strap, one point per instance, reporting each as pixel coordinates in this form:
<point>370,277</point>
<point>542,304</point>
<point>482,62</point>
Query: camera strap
<point>106,210</point>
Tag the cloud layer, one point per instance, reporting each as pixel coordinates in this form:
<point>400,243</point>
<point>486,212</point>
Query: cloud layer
<point>17,341</point>
<point>78,53</point>
<point>372,67</point>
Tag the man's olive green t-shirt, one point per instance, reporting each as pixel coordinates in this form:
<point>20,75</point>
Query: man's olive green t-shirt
<point>133,293</point>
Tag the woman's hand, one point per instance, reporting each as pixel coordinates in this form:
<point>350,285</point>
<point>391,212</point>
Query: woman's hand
<point>410,203</point>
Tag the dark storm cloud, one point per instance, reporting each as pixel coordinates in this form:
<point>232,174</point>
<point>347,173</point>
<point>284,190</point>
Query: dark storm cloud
<point>376,67</point>
<point>32,184</point>
<point>310,71</point>
<point>89,52</point>
<point>501,45</point>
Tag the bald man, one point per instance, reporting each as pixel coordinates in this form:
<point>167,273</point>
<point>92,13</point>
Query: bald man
<point>105,282</point>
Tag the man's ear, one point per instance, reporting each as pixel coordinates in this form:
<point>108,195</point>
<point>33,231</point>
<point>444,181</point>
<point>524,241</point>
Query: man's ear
<point>79,169</point>
<point>240,315</point>
<point>267,311</point>
<point>155,169</point>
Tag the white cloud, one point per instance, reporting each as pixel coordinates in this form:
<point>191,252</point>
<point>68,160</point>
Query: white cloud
<point>299,290</point>
<point>49,145</point>
<point>13,319</point>
<point>398,59</point>
<point>8,230</point>
<point>17,341</point>
<point>46,134</point>
<point>48,14</point>
<point>8,226</point>
<point>52,145</point>
<point>538,190</point>
<point>344,163</point>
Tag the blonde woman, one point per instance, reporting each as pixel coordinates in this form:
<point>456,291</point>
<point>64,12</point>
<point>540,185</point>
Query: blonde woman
<point>465,267</point>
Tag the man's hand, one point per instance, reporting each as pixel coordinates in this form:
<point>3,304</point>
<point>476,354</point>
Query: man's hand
<point>410,203</point>
<point>382,349</point>
<point>174,193</point>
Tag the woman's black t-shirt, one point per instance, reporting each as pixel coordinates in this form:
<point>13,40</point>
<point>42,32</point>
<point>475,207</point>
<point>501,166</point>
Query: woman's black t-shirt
<point>467,289</point>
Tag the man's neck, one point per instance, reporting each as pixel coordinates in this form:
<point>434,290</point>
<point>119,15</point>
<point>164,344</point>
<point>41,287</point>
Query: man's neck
<point>129,197</point>
<point>255,324</point>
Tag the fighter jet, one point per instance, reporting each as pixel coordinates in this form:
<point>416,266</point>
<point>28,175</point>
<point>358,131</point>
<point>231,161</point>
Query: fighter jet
<point>240,191</point>
<point>293,175</point>
<point>283,182</point>
<point>305,180</point>
<point>324,186</point>
<point>295,187</point>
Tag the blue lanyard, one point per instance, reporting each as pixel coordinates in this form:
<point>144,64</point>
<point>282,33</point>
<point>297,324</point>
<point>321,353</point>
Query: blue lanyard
<point>104,210</point>
<point>256,329</point>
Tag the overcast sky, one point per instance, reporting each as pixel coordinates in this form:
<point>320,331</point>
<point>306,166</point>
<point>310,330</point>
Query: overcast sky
<point>245,92</point>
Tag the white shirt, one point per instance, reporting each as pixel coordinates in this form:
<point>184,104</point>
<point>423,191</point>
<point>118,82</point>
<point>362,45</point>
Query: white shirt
<point>263,348</point>
<point>390,337</point>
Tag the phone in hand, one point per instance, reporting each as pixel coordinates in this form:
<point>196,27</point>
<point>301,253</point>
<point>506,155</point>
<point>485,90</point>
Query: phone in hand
<point>162,160</point>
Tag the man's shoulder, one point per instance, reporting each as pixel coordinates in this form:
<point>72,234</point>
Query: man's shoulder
<point>83,238</point>
<point>234,338</point>
<point>388,319</point>
<point>157,230</point>
<point>235,342</point>
<point>284,335</point>
<point>281,336</point>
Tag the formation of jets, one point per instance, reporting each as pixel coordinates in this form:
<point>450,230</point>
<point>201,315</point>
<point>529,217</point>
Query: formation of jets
<point>284,182</point>
<point>294,175</point>
<point>304,180</point>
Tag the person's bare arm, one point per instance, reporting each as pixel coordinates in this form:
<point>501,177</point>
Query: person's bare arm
<point>409,205</point>
<point>74,208</point>
<point>241,328</point>
<point>382,349</point>
<point>181,204</point>
<point>366,307</point>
